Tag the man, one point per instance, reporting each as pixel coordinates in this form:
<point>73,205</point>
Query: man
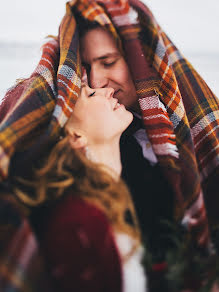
<point>178,110</point>
<point>152,194</point>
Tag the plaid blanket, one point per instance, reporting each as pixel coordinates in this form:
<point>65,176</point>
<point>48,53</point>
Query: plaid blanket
<point>21,265</point>
<point>179,111</point>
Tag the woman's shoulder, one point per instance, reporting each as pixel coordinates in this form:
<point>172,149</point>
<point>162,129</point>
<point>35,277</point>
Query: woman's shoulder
<point>78,242</point>
<point>76,209</point>
<point>74,215</point>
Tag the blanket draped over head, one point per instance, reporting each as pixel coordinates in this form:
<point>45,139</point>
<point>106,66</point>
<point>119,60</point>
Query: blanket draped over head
<point>180,112</point>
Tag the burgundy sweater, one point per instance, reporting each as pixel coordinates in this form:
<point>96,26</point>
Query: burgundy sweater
<point>79,247</point>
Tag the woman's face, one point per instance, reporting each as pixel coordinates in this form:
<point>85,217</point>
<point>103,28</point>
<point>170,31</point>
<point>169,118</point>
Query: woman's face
<point>99,116</point>
<point>106,67</point>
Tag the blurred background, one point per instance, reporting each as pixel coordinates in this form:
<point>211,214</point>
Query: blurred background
<point>193,25</point>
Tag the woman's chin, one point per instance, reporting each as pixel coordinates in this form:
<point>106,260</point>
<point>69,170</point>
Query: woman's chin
<point>130,118</point>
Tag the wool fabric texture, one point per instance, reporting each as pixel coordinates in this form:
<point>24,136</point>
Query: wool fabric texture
<point>179,111</point>
<point>22,267</point>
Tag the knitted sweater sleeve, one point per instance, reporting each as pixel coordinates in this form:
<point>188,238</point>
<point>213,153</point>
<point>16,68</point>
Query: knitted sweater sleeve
<point>79,247</point>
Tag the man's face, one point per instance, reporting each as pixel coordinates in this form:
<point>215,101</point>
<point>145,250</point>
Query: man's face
<point>106,67</point>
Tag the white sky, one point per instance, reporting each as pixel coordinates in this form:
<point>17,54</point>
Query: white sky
<point>191,24</point>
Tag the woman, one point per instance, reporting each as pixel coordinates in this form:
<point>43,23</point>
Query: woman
<point>179,112</point>
<point>87,226</point>
<point>106,66</point>
<point>119,60</point>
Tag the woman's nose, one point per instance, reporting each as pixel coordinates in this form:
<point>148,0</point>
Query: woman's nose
<point>110,92</point>
<point>105,92</point>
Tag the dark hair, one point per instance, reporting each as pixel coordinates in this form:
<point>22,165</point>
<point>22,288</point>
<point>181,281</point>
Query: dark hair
<point>84,25</point>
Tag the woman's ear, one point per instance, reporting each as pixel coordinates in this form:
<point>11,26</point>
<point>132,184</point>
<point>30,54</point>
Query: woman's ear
<point>77,140</point>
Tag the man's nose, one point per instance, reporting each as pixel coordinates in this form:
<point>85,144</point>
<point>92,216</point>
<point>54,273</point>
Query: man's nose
<point>97,78</point>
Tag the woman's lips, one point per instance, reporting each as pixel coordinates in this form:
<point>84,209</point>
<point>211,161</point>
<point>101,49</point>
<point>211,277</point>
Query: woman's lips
<point>119,106</point>
<point>117,96</point>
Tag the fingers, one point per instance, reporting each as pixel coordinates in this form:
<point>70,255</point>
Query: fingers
<point>199,229</point>
<point>195,220</point>
<point>199,218</point>
<point>203,238</point>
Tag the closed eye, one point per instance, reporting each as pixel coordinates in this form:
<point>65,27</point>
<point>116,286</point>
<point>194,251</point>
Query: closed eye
<point>92,94</point>
<point>109,64</point>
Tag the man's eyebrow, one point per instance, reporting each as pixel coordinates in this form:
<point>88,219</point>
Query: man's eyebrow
<point>109,55</point>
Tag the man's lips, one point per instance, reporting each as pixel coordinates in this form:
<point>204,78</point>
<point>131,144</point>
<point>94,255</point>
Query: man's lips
<point>118,96</point>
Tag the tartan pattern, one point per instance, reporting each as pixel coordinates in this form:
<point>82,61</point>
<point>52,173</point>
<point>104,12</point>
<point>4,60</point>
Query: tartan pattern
<point>21,265</point>
<point>162,137</point>
<point>166,90</point>
<point>48,96</point>
<point>179,111</point>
